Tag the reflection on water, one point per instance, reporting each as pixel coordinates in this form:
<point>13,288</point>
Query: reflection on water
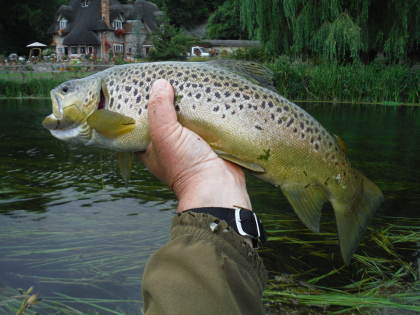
<point>74,230</point>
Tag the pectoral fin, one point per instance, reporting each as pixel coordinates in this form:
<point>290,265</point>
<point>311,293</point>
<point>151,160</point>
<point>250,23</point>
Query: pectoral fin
<point>125,163</point>
<point>110,124</point>
<point>307,201</point>
<point>248,165</point>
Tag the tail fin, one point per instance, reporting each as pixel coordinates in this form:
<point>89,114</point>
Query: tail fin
<point>352,218</point>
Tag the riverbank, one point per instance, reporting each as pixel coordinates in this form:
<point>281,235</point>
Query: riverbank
<point>371,84</point>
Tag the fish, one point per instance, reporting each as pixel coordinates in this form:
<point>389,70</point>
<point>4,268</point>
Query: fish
<point>235,108</point>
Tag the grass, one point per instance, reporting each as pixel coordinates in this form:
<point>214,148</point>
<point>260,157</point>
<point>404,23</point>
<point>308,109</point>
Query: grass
<point>32,84</point>
<point>383,274</point>
<point>390,85</point>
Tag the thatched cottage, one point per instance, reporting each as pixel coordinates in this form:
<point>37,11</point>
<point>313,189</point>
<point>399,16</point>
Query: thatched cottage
<point>104,28</point>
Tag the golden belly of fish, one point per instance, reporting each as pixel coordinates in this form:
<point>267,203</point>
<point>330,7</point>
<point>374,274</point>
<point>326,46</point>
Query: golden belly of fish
<point>244,122</point>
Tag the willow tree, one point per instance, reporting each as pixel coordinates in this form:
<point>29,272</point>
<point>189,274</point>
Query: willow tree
<point>334,29</point>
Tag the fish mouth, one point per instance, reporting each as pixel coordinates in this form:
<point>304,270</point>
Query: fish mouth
<point>103,97</point>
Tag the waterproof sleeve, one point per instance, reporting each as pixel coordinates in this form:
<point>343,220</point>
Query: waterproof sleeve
<point>205,269</point>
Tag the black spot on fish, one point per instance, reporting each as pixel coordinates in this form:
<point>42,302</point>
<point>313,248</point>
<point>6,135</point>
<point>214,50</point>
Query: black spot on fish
<point>270,104</point>
<point>309,130</point>
<point>227,106</point>
<point>194,76</point>
<point>206,80</point>
<point>226,83</point>
<point>217,84</point>
<point>302,126</point>
<point>208,90</point>
<point>119,106</point>
<point>233,112</point>
<point>246,97</point>
<point>188,84</point>
<point>258,127</point>
<point>319,138</point>
<point>197,96</point>
<point>330,144</point>
<point>170,72</point>
<point>128,88</point>
<point>181,87</point>
<point>119,96</point>
<point>189,94</point>
<point>171,81</point>
<point>279,110</point>
<point>241,107</point>
<point>312,139</point>
<point>286,108</point>
<point>217,94</point>
<point>302,135</point>
<point>136,91</point>
<point>257,96</point>
<point>235,84</point>
<point>215,109</point>
<point>263,104</point>
<point>177,108</point>
<point>316,146</point>
<point>141,84</point>
<point>147,97</point>
<point>227,93</point>
<point>273,117</point>
<point>237,94</point>
<point>148,79</point>
<point>161,72</point>
<point>140,110</point>
<point>111,102</point>
<point>223,116</point>
<point>249,106</point>
<point>255,107</point>
<point>179,74</point>
<point>208,99</point>
<point>280,121</point>
<point>126,100</point>
<point>291,120</point>
<point>135,82</point>
<point>246,87</point>
<point>111,83</point>
<point>138,99</point>
<point>194,85</point>
<point>194,107</point>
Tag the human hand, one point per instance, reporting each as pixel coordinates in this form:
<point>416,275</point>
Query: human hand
<point>184,161</point>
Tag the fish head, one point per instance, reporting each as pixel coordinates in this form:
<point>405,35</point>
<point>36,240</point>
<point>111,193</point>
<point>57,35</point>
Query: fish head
<point>72,103</point>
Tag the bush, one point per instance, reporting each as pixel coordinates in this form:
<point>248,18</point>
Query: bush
<point>170,44</point>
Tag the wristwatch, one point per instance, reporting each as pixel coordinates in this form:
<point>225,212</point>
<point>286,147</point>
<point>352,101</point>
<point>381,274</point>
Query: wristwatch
<point>245,222</point>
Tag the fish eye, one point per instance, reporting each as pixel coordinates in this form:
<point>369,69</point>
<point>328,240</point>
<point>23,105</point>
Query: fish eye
<point>65,89</point>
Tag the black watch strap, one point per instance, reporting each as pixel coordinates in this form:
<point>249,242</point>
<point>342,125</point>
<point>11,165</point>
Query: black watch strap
<point>243,221</point>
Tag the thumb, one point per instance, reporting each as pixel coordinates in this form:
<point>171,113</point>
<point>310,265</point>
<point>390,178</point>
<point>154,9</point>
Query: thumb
<point>161,112</point>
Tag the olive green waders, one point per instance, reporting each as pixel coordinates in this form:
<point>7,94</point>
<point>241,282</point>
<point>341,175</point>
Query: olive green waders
<point>203,271</point>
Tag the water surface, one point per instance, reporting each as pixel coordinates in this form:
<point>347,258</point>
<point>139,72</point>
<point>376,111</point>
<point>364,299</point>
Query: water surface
<point>71,228</point>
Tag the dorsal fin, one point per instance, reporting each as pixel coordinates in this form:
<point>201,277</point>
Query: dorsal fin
<point>250,70</point>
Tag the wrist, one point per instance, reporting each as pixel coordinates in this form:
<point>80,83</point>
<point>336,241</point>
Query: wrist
<point>221,189</point>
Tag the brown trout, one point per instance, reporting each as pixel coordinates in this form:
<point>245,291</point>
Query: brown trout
<point>233,107</point>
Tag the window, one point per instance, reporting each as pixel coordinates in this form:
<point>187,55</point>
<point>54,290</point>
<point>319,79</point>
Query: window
<point>63,24</point>
<point>118,48</point>
<point>84,3</point>
<point>117,24</point>
<point>82,50</point>
<point>90,50</point>
<point>73,50</point>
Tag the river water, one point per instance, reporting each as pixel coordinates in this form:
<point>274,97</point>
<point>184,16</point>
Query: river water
<point>71,228</point>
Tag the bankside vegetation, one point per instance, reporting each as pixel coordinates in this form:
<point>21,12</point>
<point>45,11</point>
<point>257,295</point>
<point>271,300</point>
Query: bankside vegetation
<point>335,30</point>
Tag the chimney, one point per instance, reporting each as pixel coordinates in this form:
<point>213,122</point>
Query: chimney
<point>105,12</point>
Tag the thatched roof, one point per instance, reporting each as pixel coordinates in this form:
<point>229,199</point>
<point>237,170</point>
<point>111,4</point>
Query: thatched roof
<point>84,23</point>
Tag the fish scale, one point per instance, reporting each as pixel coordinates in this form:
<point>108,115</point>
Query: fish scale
<point>233,106</point>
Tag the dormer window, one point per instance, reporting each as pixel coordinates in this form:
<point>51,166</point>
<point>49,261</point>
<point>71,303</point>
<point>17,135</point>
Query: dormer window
<point>84,3</point>
<point>63,24</point>
<point>117,24</point>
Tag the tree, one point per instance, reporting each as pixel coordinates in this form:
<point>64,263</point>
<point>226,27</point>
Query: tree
<point>224,23</point>
<point>337,30</point>
<point>169,43</point>
<point>25,21</point>
<point>188,13</point>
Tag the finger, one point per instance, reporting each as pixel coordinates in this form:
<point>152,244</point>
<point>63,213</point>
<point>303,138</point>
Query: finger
<point>161,110</point>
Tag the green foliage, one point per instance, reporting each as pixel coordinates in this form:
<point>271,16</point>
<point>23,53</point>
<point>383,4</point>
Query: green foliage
<point>170,44</point>
<point>352,83</point>
<point>253,54</point>
<point>188,13</point>
<point>335,30</point>
<point>224,23</point>
<point>26,21</point>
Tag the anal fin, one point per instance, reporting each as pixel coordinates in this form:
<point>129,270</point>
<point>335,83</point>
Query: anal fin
<point>307,201</point>
<point>248,165</point>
